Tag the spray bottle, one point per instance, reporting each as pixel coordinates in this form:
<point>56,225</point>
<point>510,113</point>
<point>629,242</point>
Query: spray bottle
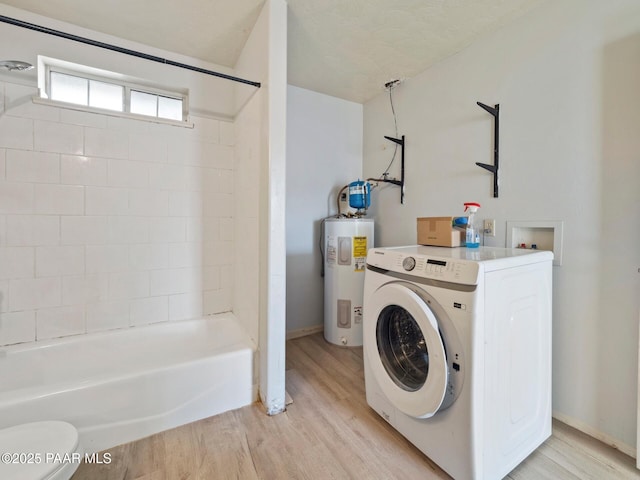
<point>472,237</point>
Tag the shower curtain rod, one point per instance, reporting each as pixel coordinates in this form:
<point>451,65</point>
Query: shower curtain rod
<point>126,51</point>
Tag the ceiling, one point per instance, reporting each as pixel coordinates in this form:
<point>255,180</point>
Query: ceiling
<point>344,48</point>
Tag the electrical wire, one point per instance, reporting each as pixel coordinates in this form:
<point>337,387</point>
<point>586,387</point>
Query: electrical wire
<point>395,121</point>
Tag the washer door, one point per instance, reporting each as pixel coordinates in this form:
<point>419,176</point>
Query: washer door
<point>405,350</point>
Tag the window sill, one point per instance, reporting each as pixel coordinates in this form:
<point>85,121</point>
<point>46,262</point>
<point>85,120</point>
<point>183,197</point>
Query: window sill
<point>111,113</point>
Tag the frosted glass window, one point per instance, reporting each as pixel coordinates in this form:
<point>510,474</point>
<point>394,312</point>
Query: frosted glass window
<point>68,88</point>
<point>170,108</point>
<point>144,103</point>
<point>97,92</point>
<point>105,95</point>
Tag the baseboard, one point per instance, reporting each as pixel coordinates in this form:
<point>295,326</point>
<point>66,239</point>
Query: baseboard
<point>303,332</point>
<point>597,434</point>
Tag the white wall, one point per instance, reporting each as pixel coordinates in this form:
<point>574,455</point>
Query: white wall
<point>324,153</point>
<point>565,77</point>
<point>260,248</point>
<point>108,222</point>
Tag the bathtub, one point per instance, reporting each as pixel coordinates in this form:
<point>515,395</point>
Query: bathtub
<point>122,385</point>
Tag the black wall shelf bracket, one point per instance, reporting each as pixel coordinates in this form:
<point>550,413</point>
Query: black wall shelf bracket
<point>495,111</point>
<point>400,183</point>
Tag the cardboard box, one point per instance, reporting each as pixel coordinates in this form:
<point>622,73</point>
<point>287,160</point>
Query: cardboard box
<point>438,231</point>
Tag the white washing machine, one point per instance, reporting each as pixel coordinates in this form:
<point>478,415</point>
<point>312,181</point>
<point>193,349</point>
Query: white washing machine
<point>457,352</point>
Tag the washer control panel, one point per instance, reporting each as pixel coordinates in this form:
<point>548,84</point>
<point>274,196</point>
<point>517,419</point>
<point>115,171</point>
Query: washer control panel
<point>409,263</point>
<point>435,267</point>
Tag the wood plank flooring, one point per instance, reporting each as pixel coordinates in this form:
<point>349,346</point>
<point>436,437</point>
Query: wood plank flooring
<point>329,432</point>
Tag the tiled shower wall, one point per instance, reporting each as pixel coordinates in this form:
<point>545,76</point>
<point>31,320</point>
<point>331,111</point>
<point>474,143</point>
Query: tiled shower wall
<point>108,222</point>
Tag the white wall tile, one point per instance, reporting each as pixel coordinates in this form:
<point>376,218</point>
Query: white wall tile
<point>203,178</point>
<point>16,197</point>
<point>220,156</point>
<point>183,152</point>
<point>225,180</point>
<point>186,204</point>
<point>167,229</point>
<point>226,276</point>
<point>218,204</point>
<point>185,255</point>
<point>84,230</point>
<point>144,311</point>
<point>59,260</point>
<point>31,230</point>
<point>34,293</point>
<point>82,170</point>
<point>106,143</point>
<point>167,176</point>
<point>17,327</point>
<point>217,301</point>
<point>185,306</point>
<point>210,229</point>
<point>16,262</point>
<point>206,129</point>
<point>33,167</point>
<point>59,199</point>
<point>18,102</point>
<point>124,285</point>
<point>4,295</point>
<point>148,147</point>
<point>106,201</point>
<point>81,289</point>
<point>106,258</point>
<point>211,278</point>
<point>3,163</point>
<point>102,220</point>
<point>125,173</point>
<point>149,257</point>
<point>107,315</point>
<point>227,134</point>
<point>16,132</point>
<point>128,124</point>
<point>128,230</point>
<point>59,322</point>
<point>227,229</point>
<point>199,229</point>
<point>150,203</point>
<point>58,137</point>
<point>85,119</point>
<point>219,253</point>
<point>175,280</point>
<point>194,178</point>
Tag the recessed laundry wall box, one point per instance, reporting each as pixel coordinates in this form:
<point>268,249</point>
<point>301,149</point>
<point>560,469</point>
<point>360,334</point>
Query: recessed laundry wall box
<point>545,235</point>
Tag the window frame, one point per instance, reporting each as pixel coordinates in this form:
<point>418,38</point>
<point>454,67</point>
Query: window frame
<point>49,65</point>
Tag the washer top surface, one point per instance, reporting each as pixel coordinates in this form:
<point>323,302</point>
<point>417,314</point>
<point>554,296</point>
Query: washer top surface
<point>457,265</point>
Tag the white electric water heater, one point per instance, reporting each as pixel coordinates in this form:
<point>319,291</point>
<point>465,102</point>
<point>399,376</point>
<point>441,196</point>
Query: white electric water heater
<point>346,242</point>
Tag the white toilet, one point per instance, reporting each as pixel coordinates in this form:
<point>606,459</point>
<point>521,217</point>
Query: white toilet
<point>39,451</point>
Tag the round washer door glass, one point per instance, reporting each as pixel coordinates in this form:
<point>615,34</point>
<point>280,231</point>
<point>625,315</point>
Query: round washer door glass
<point>402,348</point>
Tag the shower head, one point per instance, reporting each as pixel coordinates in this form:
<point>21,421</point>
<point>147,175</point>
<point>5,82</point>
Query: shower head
<point>15,65</point>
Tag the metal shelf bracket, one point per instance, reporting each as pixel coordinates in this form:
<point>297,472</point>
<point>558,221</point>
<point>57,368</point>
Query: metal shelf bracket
<point>400,183</point>
<point>495,112</point>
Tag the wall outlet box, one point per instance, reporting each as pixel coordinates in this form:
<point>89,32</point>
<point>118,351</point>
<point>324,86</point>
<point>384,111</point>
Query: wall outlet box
<point>489,227</point>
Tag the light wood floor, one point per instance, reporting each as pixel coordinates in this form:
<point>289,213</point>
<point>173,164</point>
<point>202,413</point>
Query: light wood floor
<point>329,432</point>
